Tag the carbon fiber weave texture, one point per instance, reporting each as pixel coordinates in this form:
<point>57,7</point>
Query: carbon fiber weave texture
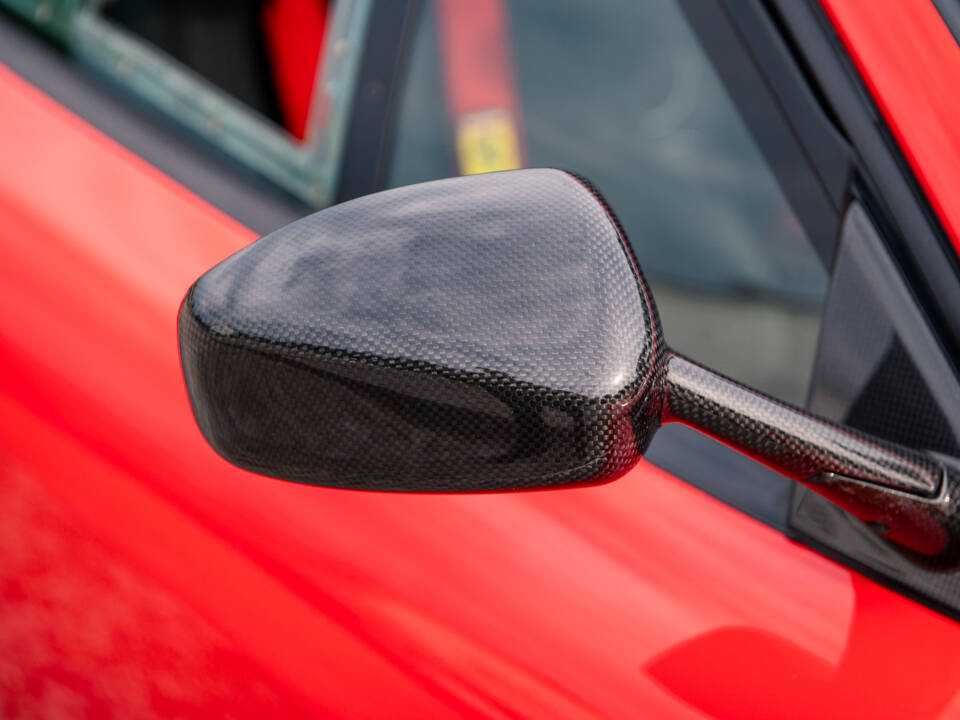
<point>475,333</point>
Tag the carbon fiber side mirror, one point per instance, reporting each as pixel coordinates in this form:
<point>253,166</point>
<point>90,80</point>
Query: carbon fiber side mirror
<point>490,332</point>
<point>479,333</point>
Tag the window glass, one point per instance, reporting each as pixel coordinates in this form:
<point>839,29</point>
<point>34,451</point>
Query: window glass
<point>622,92</point>
<point>267,83</point>
<point>227,43</point>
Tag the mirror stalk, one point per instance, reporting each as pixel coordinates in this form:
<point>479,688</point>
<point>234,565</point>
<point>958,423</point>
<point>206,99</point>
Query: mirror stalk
<point>789,440</point>
<point>901,493</point>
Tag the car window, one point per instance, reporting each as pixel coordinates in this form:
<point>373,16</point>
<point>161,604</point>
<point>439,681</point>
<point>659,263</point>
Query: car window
<point>265,83</point>
<point>623,93</point>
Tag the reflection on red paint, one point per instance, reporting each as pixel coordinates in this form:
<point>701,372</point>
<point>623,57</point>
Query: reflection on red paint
<point>86,634</point>
<point>742,673</point>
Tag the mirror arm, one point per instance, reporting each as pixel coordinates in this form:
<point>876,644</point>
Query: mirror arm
<point>903,494</point>
<point>788,439</point>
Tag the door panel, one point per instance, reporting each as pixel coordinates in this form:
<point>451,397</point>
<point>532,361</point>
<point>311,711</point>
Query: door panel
<point>145,576</point>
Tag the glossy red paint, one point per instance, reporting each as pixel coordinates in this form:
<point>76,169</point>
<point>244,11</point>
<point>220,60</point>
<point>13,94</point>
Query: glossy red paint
<point>141,575</point>
<point>910,63</point>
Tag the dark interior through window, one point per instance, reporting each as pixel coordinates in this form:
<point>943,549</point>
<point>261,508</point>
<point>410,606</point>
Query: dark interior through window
<point>262,52</point>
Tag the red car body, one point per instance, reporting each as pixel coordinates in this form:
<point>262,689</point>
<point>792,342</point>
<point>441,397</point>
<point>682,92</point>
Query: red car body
<point>141,575</point>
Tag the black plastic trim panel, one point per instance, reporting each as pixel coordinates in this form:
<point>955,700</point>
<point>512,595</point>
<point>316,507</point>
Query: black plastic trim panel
<point>879,368</point>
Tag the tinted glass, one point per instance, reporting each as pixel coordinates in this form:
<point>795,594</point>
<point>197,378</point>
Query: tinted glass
<point>622,92</point>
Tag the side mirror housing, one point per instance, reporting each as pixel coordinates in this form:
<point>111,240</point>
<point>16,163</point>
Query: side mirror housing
<point>482,333</point>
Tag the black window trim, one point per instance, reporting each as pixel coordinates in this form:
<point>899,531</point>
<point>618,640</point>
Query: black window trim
<point>369,136</point>
<point>885,183</point>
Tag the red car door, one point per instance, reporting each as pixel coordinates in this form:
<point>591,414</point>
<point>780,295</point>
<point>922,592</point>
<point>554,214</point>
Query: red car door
<point>141,575</point>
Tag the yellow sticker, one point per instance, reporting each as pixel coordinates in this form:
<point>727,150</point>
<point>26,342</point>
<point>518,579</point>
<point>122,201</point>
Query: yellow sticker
<point>486,142</point>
